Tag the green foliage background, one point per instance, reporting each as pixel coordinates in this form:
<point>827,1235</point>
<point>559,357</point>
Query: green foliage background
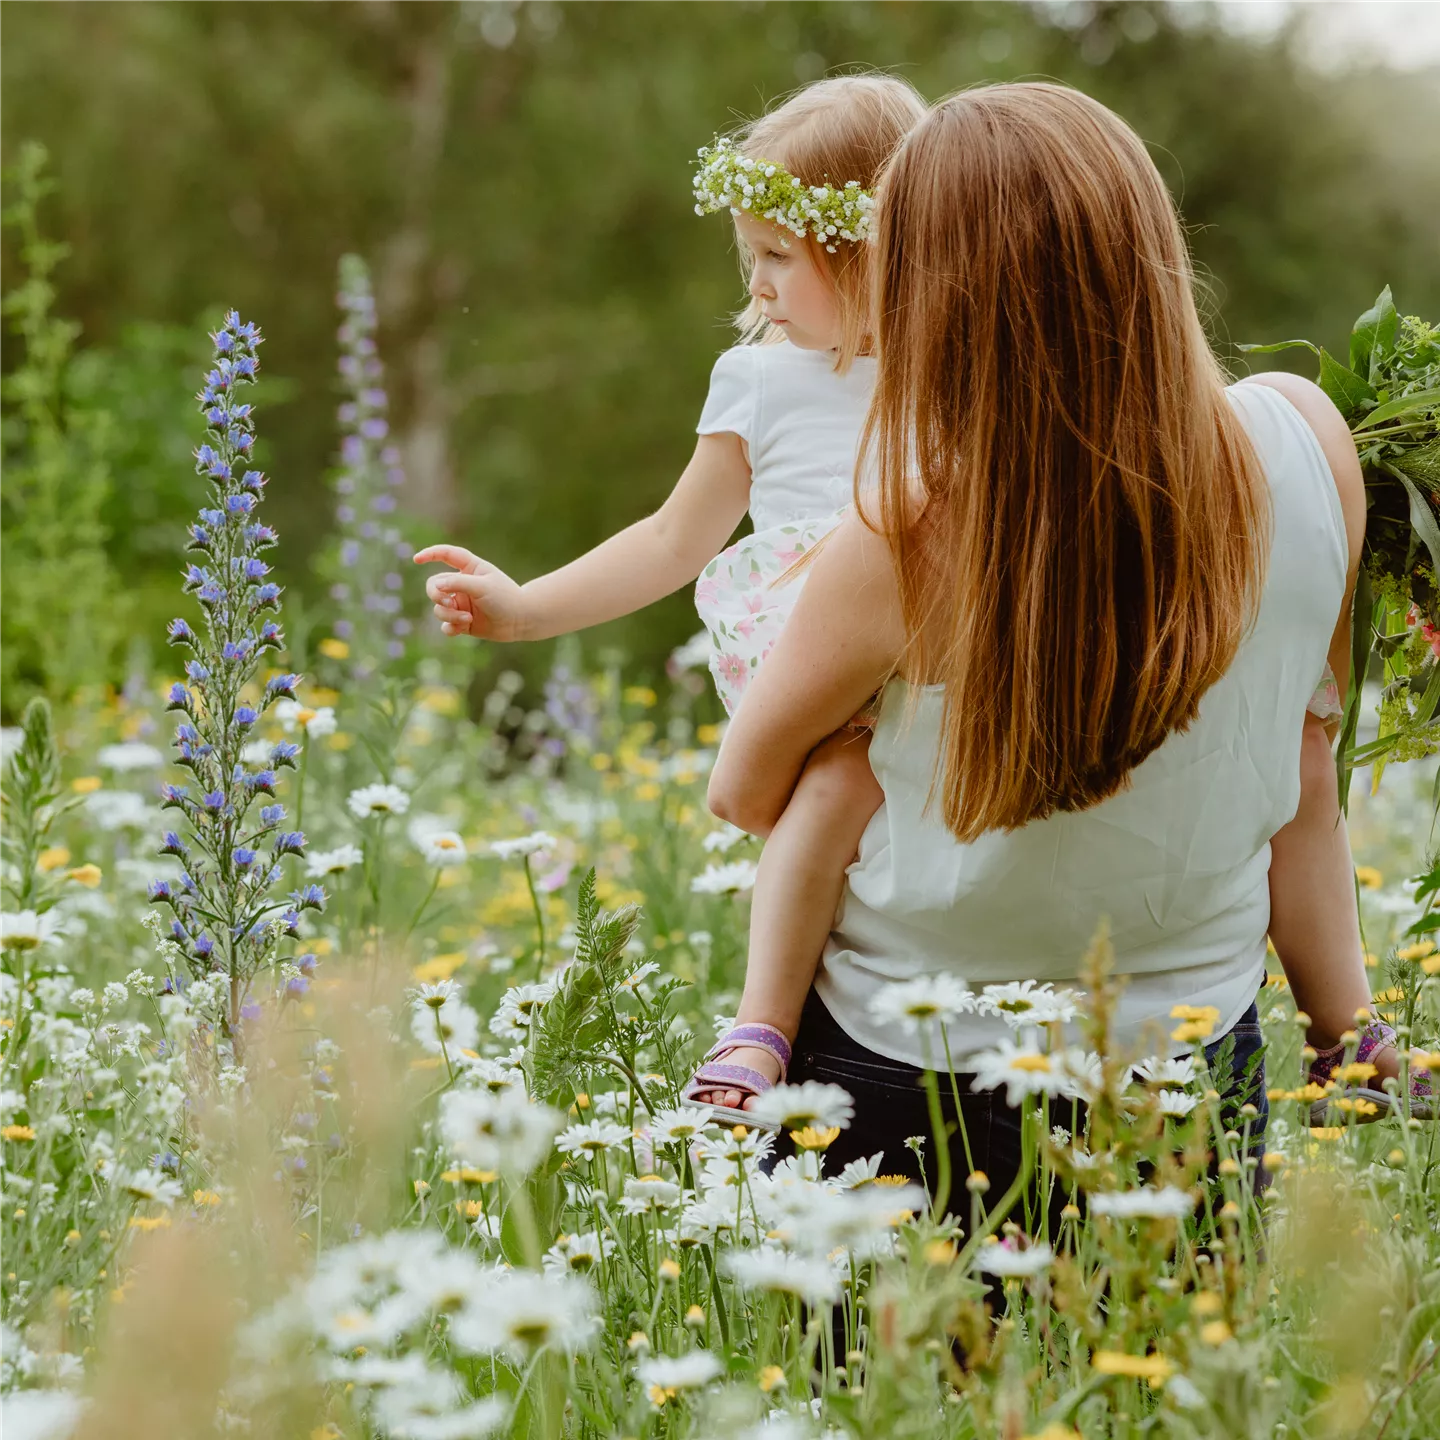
<point>518,176</point>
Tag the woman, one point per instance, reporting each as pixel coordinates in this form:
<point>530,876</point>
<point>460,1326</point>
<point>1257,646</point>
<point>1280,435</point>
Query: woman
<point>1097,589</point>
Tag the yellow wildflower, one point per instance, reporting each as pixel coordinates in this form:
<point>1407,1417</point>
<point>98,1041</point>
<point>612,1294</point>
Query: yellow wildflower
<point>1368,877</point>
<point>640,695</point>
<point>86,784</point>
<point>708,734</point>
<point>206,1197</point>
<point>1418,951</point>
<point>1217,1332</point>
<point>1356,1071</point>
<point>1327,1132</point>
<point>816,1138</point>
<point>149,1222</point>
<point>1054,1431</point>
<point>772,1377</point>
<point>53,858</point>
<point>1154,1368</point>
<point>940,1252</point>
<point>334,649</point>
<point>439,967</point>
<point>17,1132</point>
<point>89,876</point>
<point>1431,964</point>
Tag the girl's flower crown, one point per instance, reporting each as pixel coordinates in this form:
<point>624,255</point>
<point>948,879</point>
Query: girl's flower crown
<point>728,180</point>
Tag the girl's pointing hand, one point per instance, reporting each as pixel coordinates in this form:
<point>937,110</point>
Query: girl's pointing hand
<point>475,598</point>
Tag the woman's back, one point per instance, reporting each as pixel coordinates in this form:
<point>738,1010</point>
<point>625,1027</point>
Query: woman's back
<point>1175,864</point>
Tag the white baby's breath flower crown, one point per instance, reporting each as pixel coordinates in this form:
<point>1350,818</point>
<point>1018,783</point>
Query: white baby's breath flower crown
<point>728,180</point>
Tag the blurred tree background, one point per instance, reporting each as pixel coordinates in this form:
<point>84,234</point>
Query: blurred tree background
<point>518,176</point>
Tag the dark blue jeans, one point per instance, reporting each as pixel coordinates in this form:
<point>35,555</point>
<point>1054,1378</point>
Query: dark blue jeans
<point>890,1105</point>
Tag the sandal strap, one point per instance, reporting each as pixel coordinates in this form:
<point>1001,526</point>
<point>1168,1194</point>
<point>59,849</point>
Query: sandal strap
<point>731,1077</point>
<point>1375,1036</point>
<point>761,1036</point>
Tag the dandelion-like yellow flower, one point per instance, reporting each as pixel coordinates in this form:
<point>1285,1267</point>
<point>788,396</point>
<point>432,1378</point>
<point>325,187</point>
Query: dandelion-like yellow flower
<point>53,858</point>
<point>940,1252</point>
<point>772,1377</point>
<point>334,649</point>
<point>1368,877</point>
<point>17,1132</point>
<point>1154,1368</point>
<point>814,1137</point>
<point>1217,1332</point>
<point>88,784</point>
<point>89,876</point>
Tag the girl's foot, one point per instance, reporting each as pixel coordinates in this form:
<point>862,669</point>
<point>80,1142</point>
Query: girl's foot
<point>751,1057</point>
<point>745,1062</point>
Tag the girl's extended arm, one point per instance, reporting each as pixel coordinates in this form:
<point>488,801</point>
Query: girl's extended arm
<point>841,643</point>
<point>643,563</point>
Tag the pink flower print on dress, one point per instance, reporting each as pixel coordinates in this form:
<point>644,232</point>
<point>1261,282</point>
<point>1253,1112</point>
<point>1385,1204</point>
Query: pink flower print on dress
<point>707,592</point>
<point>786,558</point>
<point>732,670</point>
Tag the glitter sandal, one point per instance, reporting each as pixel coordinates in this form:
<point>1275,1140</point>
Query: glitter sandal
<point>1374,1037</point>
<point>715,1074</point>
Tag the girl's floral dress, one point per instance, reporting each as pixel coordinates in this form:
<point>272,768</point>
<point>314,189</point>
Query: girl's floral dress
<point>801,423</point>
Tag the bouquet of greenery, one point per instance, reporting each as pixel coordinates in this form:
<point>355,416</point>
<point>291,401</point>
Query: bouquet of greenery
<point>1389,394</point>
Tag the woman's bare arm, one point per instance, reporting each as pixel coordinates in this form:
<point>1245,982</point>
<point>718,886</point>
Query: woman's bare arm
<point>841,643</point>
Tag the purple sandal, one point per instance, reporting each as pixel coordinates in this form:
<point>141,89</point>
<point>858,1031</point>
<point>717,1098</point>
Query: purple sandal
<point>715,1074</point>
<point>1374,1037</point>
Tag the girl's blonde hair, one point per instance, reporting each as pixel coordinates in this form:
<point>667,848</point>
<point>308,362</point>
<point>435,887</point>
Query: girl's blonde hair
<point>1078,522</point>
<point>837,130</point>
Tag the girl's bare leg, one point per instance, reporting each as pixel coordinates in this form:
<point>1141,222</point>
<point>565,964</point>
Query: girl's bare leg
<point>1314,921</point>
<point>797,891</point>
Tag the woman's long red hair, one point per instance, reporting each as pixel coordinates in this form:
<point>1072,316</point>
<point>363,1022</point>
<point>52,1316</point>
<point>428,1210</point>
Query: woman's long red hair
<point>1077,519</point>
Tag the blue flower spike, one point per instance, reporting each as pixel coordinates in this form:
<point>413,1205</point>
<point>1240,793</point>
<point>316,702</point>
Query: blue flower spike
<point>226,917</point>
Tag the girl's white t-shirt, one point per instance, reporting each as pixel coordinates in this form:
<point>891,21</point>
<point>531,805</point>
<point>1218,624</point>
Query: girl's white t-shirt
<point>1176,865</point>
<point>800,421</point>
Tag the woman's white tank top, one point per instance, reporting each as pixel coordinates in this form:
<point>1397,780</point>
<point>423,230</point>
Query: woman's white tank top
<point>1177,864</point>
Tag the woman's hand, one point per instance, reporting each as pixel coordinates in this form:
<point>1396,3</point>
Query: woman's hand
<point>475,598</point>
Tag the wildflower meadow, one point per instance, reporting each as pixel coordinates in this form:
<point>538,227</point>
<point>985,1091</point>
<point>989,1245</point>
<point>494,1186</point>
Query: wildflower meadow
<point>347,1009</point>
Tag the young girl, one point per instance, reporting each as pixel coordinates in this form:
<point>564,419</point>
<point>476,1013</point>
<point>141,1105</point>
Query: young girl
<point>778,437</point>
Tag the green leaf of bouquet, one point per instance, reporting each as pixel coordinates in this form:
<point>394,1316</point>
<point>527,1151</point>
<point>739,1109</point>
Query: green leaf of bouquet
<point>1278,346</point>
<point>1422,517</point>
<point>1403,405</point>
<point>1373,336</point>
<point>1343,386</point>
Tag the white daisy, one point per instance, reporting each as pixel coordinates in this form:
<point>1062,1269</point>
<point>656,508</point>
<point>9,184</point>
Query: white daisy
<point>592,1138</point>
<point>506,1131</point>
<point>1022,1070</point>
<point>731,879</point>
<point>860,1173</point>
<point>492,1075</point>
<point>320,863</point>
<point>680,1124</point>
<point>524,845</point>
<point>772,1269</point>
<point>793,1107</point>
<point>649,1195</point>
<point>927,1000</point>
<point>27,930</point>
<point>452,1020</point>
<point>717,842</point>
<point>1006,1260</point>
<point>443,849</point>
<point>668,1374</point>
<point>518,1007</point>
<point>1155,1070</point>
<point>1145,1202</point>
<point>1176,1102</point>
<point>578,1254</point>
<point>40,1414</point>
<point>382,800</point>
<point>1024,1002</point>
<point>519,1313</point>
<point>148,1185</point>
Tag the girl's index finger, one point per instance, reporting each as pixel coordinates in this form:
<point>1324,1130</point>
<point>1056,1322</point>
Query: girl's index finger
<point>453,555</point>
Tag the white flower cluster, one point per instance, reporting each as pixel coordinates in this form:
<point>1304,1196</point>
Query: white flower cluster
<point>728,180</point>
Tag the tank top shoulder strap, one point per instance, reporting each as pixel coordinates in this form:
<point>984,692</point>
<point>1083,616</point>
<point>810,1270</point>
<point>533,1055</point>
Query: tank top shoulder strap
<point>1309,523</point>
